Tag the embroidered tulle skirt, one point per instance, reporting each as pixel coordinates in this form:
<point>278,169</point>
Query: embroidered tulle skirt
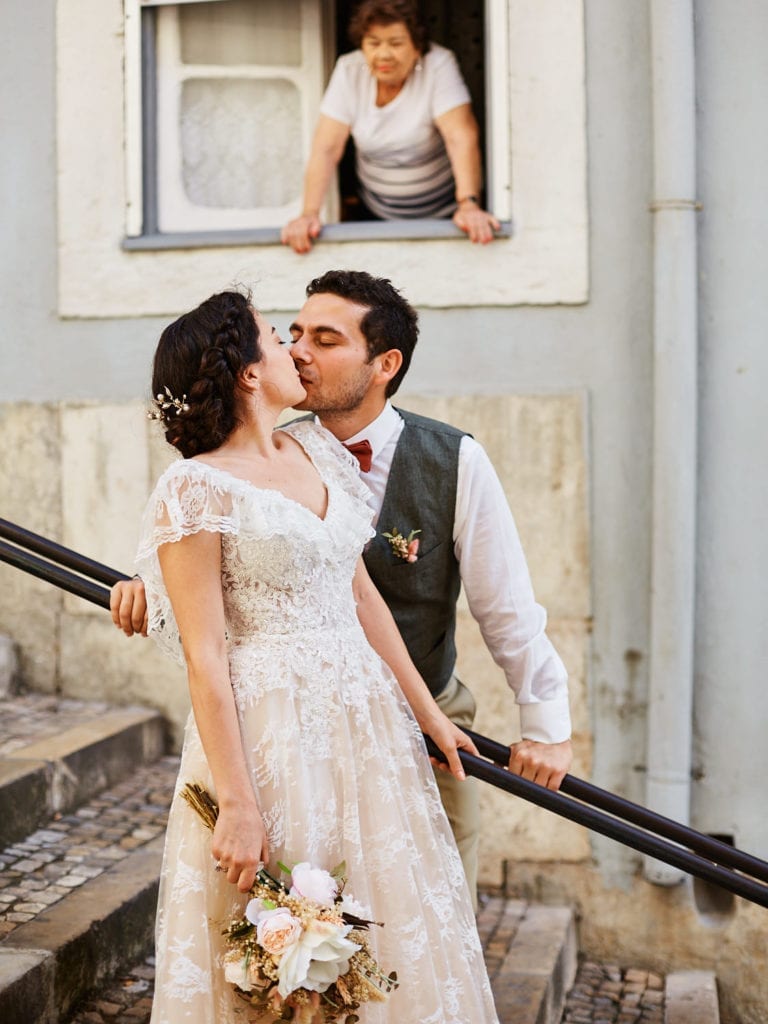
<point>341,773</point>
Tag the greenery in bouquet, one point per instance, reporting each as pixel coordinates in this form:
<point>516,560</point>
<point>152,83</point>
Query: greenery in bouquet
<point>301,950</point>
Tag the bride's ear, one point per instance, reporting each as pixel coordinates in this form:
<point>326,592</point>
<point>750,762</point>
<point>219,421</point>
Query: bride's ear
<point>248,378</point>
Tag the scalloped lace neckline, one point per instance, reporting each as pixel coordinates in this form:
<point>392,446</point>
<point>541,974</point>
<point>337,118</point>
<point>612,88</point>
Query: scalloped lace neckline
<point>274,490</point>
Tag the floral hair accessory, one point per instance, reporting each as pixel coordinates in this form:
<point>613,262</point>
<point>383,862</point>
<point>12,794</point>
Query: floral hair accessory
<point>404,547</point>
<point>300,951</point>
<point>166,402</point>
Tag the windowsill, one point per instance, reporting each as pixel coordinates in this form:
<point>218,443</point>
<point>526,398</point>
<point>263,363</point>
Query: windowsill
<point>352,231</point>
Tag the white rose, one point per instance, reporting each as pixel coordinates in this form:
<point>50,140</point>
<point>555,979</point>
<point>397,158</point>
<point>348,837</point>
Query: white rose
<point>313,884</point>
<point>319,957</point>
<point>277,931</point>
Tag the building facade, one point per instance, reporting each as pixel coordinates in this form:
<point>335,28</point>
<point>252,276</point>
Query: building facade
<point>608,350</point>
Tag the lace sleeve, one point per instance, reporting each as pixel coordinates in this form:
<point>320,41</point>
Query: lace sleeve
<point>185,500</point>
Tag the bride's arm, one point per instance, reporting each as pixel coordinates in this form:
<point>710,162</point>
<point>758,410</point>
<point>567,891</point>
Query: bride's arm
<point>384,636</point>
<point>192,574</point>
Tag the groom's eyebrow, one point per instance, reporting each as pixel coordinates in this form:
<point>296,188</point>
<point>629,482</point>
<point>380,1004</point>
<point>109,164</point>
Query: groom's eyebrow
<point>316,329</point>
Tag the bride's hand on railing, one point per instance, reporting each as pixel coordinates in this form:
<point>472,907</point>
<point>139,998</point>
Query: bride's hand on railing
<point>450,739</point>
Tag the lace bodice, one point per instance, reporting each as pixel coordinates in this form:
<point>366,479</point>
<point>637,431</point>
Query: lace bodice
<point>284,570</point>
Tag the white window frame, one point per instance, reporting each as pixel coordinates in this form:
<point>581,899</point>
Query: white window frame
<point>536,98</point>
<point>172,205</point>
<point>497,113</point>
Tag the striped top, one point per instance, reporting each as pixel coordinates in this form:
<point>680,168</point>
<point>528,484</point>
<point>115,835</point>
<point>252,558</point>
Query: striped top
<point>402,165</point>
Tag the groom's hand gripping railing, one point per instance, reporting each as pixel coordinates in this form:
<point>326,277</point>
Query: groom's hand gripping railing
<point>587,805</point>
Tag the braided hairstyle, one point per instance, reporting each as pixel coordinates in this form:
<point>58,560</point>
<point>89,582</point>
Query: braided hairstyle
<point>197,364</point>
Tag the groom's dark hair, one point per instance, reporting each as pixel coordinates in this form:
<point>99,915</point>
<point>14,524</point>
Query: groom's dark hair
<point>391,321</point>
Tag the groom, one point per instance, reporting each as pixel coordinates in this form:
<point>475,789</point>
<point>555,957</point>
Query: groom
<point>442,520</point>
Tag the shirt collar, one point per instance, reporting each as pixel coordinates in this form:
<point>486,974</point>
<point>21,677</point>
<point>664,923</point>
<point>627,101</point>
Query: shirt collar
<point>379,431</point>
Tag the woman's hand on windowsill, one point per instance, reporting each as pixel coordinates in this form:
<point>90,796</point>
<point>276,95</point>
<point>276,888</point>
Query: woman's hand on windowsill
<point>301,232</point>
<point>475,222</point>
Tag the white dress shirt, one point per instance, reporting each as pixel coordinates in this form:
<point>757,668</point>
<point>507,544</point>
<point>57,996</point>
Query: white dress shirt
<point>495,578</point>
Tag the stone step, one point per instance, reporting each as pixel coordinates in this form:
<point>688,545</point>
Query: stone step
<point>78,896</point>
<point>55,754</point>
<point>691,998</point>
<point>531,954</point>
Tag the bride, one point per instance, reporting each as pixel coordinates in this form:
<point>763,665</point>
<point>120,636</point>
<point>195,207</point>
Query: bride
<point>307,711</point>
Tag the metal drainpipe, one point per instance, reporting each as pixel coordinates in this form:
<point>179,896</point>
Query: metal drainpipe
<point>670,703</point>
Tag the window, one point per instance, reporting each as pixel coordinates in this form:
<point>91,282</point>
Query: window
<point>230,95</point>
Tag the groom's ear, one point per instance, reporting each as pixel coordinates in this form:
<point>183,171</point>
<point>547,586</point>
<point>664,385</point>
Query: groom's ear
<point>389,363</point>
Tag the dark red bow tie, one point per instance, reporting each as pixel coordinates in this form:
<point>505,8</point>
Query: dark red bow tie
<point>363,453</point>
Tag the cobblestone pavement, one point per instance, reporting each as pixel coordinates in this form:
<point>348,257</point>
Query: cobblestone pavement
<point>41,869</point>
<point>127,1000</point>
<point>606,994</point>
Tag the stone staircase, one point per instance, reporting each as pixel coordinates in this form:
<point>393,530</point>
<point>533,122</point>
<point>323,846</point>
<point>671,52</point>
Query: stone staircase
<point>84,794</point>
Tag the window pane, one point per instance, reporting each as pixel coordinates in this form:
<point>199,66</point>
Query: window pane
<point>241,32</point>
<point>241,142</point>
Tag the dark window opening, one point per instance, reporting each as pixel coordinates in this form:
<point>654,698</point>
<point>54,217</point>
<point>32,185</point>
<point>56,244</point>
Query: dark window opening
<point>459,27</point>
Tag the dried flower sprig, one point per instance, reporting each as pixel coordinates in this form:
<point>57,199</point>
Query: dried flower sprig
<point>166,402</point>
<point>200,800</point>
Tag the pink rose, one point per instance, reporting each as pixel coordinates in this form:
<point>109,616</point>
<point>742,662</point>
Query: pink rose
<point>278,931</point>
<point>413,548</point>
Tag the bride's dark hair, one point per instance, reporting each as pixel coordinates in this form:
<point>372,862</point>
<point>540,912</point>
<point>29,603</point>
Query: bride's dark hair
<point>197,363</point>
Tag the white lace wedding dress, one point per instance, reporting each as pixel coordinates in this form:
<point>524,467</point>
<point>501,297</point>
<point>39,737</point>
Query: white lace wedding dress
<point>337,760</point>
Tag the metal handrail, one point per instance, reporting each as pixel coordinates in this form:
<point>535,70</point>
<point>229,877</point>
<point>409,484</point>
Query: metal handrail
<point>614,828</point>
<point>587,805</point>
<point>715,849</point>
<point>51,573</point>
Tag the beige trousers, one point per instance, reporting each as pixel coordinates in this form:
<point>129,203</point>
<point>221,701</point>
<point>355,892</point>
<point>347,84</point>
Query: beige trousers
<point>461,800</point>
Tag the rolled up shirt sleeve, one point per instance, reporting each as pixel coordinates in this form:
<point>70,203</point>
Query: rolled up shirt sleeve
<point>498,587</point>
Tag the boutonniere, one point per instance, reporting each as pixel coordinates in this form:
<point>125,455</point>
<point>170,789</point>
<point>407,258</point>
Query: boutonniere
<point>403,547</point>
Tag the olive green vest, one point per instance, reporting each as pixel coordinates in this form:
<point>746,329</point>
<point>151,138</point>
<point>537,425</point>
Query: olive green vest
<point>422,595</point>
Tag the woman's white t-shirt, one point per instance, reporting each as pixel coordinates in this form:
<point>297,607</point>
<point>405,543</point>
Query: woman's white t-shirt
<point>402,165</point>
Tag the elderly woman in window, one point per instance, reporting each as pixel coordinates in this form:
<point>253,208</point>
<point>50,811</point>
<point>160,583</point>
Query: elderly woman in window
<point>408,110</point>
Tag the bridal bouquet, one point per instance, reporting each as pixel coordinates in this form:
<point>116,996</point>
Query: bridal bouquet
<point>301,951</point>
